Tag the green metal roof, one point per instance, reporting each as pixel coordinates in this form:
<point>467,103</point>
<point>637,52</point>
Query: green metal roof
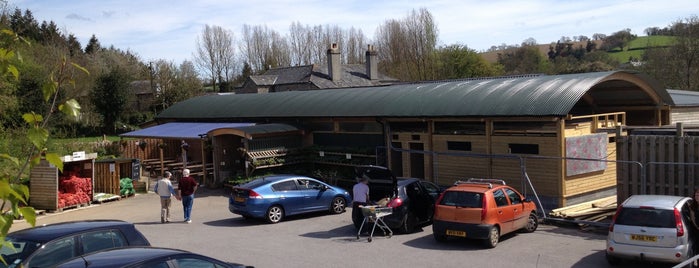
<point>544,95</point>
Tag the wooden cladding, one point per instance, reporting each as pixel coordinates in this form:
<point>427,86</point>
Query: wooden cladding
<point>657,165</point>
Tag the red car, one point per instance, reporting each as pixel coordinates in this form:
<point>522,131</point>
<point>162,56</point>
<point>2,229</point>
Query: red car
<point>482,209</point>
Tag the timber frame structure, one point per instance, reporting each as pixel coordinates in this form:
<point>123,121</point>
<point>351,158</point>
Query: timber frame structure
<point>547,120</point>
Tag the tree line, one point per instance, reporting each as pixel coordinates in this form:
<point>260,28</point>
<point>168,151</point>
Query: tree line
<point>408,50</point>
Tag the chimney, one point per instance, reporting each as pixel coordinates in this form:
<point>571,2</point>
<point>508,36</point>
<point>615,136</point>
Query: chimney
<point>334,66</point>
<point>372,63</point>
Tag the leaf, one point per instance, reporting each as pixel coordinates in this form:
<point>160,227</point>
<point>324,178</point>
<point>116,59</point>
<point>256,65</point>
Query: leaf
<point>29,214</point>
<point>55,160</point>
<point>35,160</point>
<point>5,189</point>
<point>80,68</point>
<point>38,137</point>
<point>70,108</point>
<point>11,158</point>
<point>32,118</point>
<point>13,70</point>
<point>49,88</point>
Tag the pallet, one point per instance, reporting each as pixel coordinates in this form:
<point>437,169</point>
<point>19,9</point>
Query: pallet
<point>69,207</point>
<point>107,199</point>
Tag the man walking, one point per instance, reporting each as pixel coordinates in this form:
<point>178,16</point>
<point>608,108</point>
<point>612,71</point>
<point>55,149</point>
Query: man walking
<point>186,188</point>
<point>165,190</point>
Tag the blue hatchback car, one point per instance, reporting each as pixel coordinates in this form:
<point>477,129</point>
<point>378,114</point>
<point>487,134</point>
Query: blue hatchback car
<point>274,197</point>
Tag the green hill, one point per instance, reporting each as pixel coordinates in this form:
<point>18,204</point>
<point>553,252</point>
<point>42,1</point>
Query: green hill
<point>634,49</point>
<point>638,46</point>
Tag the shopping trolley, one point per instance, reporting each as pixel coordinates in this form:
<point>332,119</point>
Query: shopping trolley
<point>375,214</point>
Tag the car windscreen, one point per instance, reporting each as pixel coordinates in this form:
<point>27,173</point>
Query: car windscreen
<point>462,199</point>
<point>650,217</point>
<point>16,251</point>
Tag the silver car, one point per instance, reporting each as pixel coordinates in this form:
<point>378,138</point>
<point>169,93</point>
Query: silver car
<point>652,228</point>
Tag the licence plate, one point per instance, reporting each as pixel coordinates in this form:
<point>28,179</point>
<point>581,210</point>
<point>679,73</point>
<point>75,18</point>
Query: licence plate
<point>646,238</point>
<point>239,199</point>
<point>456,233</point>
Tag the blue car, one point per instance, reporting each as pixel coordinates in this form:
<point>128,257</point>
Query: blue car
<point>276,196</point>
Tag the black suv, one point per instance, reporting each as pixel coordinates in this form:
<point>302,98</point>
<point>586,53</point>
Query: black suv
<point>412,199</point>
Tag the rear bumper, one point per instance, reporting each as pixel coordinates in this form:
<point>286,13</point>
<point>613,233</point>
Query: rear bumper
<point>246,210</point>
<point>475,231</point>
<point>650,254</point>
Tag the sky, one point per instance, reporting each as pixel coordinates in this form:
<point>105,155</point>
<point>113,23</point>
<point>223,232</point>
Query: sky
<point>168,29</point>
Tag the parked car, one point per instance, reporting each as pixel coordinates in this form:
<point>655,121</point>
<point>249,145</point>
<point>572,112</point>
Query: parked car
<point>482,209</point>
<point>48,245</point>
<point>146,257</point>
<point>652,228</point>
<point>412,199</point>
<point>275,197</point>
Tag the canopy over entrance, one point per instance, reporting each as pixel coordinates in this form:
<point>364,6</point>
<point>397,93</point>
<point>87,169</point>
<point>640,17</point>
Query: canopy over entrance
<point>181,130</point>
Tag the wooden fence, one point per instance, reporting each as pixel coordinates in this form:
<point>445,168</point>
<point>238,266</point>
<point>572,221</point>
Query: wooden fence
<point>653,164</point>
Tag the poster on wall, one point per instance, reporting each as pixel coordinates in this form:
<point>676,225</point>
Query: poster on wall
<point>593,146</point>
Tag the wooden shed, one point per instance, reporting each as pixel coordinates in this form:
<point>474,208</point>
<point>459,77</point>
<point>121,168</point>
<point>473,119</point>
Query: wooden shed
<point>46,190</point>
<point>109,172</point>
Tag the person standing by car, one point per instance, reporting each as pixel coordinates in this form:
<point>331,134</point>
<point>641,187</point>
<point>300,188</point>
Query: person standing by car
<point>360,197</point>
<point>165,190</point>
<point>186,188</point>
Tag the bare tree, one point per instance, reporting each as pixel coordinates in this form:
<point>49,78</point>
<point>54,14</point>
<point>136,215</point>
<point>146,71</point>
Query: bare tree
<point>215,54</point>
<point>407,46</point>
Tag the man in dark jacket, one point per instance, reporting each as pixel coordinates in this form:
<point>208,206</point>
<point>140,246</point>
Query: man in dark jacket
<point>186,188</point>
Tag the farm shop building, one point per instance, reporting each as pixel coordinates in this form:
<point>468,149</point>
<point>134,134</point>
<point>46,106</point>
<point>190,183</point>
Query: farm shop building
<point>449,130</point>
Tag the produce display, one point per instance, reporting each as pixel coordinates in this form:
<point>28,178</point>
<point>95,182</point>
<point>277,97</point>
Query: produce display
<point>74,190</point>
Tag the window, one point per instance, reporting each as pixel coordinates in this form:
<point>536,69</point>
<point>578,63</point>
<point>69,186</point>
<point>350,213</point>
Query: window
<point>431,188</point>
<point>500,198</point>
<point>462,199</point>
<point>285,186</point>
<point>459,128</point>
<point>514,196</point>
<point>100,240</point>
<point>196,263</point>
<point>661,218</point>
<point>54,252</point>
<point>360,127</point>
<point>518,148</point>
<point>459,145</point>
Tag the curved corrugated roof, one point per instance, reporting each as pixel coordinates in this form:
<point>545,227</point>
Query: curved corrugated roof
<point>553,95</point>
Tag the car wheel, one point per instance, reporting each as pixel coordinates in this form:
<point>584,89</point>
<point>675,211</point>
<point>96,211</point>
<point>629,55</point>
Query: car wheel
<point>338,205</point>
<point>409,222</point>
<point>439,237</point>
<point>275,214</point>
<point>612,260</point>
<point>493,237</point>
<point>532,223</point>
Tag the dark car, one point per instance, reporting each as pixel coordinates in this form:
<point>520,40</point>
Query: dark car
<point>150,257</point>
<point>274,197</point>
<point>48,245</point>
<point>412,199</point>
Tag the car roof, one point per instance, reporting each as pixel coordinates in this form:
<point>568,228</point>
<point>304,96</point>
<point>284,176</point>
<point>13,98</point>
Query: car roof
<point>52,231</point>
<point>656,201</point>
<point>118,257</point>
<point>475,187</point>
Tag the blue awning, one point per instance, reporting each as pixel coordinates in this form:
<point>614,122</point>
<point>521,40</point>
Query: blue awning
<point>181,130</point>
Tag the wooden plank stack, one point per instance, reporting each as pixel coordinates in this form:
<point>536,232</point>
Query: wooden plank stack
<point>597,210</point>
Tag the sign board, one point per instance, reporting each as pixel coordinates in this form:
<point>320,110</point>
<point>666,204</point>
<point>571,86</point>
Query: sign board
<point>78,155</point>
